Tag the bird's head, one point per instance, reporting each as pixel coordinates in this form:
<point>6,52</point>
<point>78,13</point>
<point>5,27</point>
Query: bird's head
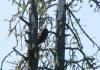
<point>45,26</point>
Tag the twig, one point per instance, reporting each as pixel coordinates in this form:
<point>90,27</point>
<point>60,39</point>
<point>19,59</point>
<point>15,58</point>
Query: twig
<point>74,35</point>
<point>46,18</point>
<point>5,58</point>
<point>97,2</point>
<point>51,5</point>
<point>76,32</point>
<point>43,68</point>
<point>82,28</point>
<point>19,53</point>
<point>27,23</point>
<point>52,33</point>
<point>84,55</point>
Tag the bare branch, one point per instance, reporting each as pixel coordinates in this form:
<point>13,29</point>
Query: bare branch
<point>87,59</point>
<point>19,53</point>
<point>82,28</point>
<point>5,58</point>
<point>27,23</point>
<point>75,36</point>
<point>96,2</point>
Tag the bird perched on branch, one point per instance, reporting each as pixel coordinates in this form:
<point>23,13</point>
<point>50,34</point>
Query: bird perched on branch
<point>42,35</point>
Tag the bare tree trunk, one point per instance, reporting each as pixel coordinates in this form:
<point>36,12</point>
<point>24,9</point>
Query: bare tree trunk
<point>32,52</point>
<point>60,39</point>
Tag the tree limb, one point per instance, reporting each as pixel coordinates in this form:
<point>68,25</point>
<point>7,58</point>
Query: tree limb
<point>27,23</point>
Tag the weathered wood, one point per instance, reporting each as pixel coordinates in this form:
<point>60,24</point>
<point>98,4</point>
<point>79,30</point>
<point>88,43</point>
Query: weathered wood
<point>60,39</point>
<point>32,52</point>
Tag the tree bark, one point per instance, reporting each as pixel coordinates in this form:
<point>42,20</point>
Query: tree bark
<point>32,53</point>
<point>60,39</point>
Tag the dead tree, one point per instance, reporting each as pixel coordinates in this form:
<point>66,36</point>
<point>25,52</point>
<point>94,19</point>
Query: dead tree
<point>60,38</point>
<point>57,47</point>
<point>32,53</point>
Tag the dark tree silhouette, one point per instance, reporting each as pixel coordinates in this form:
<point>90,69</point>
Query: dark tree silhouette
<point>58,46</point>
